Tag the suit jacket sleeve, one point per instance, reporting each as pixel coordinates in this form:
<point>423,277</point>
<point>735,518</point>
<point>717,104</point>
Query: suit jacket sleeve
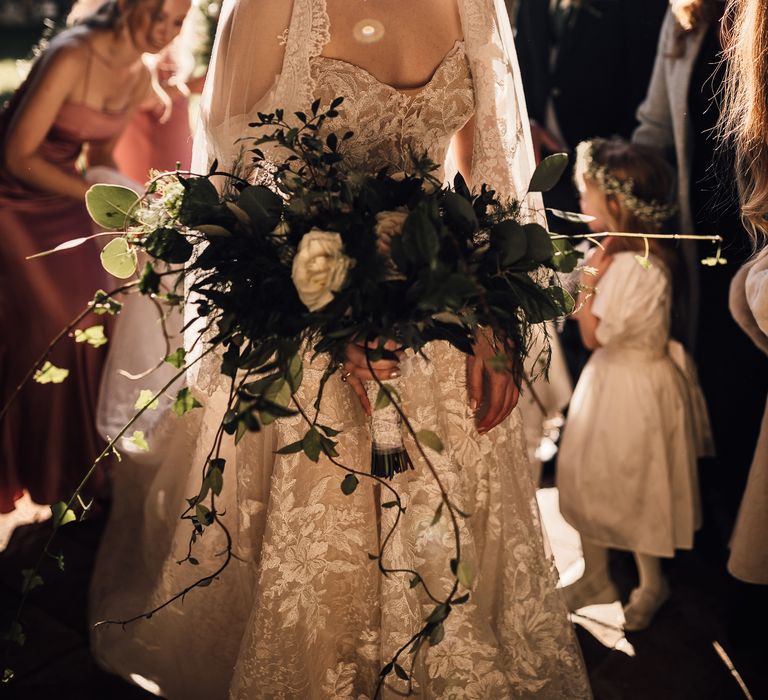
<point>655,114</point>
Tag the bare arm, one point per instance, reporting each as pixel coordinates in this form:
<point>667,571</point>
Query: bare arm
<point>463,144</point>
<point>33,120</point>
<point>588,322</point>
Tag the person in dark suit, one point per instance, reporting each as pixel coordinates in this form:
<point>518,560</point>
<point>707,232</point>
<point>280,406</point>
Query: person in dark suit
<point>586,65</point>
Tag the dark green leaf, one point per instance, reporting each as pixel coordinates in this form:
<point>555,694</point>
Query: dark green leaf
<point>168,245</point>
<point>439,613</point>
<point>436,635</point>
<point>400,672</point>
<point>293,448</point>
<point>30,580</point>
<point>548,172</point>
<point>312,445</point>
<point>150,280</point>
<point>539,247</point>
<point>263,207</point>
<point>438,514</point>
<point>349,484</point>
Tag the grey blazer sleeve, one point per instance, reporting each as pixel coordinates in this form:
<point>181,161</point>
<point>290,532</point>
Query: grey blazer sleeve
<point>655,113</point>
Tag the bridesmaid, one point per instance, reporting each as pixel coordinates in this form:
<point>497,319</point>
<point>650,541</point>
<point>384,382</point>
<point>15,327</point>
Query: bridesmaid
<point>71,110</point>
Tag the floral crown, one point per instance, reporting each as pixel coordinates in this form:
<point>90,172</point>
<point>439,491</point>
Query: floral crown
<point>647,210</point>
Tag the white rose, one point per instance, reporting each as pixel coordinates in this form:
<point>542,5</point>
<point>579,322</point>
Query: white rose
<point>388,225</point>
<point>319,268</point>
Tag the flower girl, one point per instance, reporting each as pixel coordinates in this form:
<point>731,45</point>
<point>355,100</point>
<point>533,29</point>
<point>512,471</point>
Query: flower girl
<point>627,468</point>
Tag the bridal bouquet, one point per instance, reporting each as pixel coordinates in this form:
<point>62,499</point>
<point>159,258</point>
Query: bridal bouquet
<point>310,255</point>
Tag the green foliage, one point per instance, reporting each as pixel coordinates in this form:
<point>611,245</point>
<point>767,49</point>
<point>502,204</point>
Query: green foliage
<point>139,441</point>
<point>50,374</point>
<point>62,515</point>
<point>94,336</point>
<point>430,439</point>
<point>185,402</point>
<point>177,358</point>
<point>146,399</point>
<point>119,259</point>
<point>548,172</point>
<point>111,206</point>
<point>104,304</point>
<point>30,580</point>
<point>349,484</point>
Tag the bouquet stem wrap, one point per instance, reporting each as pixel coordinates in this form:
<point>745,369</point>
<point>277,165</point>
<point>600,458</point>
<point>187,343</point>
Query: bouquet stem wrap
<point>388,453</point>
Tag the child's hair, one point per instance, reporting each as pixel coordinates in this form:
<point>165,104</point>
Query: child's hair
<point>638,185</point>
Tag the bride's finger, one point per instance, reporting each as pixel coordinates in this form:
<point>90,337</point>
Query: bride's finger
<point>474,382</point>
<point>357,386</point>
<point>499,383</point>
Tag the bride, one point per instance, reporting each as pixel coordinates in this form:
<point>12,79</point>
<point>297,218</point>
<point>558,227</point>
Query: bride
<point>301,611</point>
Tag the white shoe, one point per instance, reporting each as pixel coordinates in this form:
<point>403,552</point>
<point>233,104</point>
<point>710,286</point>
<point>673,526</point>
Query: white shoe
<point>643,605</point>
<point>590,590</point>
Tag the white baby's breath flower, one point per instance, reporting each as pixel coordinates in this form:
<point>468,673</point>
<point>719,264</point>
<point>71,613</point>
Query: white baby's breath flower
<point>319,268</point>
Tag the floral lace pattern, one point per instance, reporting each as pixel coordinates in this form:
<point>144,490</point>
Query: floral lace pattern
<point>303,613</point>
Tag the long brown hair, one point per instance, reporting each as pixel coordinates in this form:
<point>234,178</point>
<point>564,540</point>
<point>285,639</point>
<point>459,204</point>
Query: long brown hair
<point>744,122</point>
<point>109,14</point>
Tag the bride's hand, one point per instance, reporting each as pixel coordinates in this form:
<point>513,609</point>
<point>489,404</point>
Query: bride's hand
<point>503,392</point>
<point>355,369</point>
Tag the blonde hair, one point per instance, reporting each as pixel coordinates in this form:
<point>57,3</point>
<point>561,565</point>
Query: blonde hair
<point>652,183</point>
<point>744,123</point>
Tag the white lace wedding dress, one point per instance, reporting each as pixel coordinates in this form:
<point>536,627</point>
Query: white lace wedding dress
<point>302,612</point>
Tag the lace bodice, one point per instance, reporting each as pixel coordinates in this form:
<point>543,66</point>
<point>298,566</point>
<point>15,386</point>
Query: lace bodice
<point>390,124</point>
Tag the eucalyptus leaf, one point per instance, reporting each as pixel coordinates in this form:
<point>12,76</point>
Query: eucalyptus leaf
<point>572,216</point>
<point>118,258</point>
<point>110,205</point>
<point>548,172</point>
<point>539,243</point>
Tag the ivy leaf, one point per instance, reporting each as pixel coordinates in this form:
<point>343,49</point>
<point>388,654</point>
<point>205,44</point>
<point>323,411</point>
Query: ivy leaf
<point>185,402</point>
<point>50,374</point>
<point>439,613</point>
<point>349,484</point>
<point>548,172</point>
<point>293,448</point>
<point>62,515</point>
<point>644,262</point>
<point>312,445</point>
<point>465,573</point>
<point>15,634</point>
<point>109,205</point>
<point>430,439</point>
<point>204,515</point>
<point>94,336</point>
<point>104,304</point>
<point>400,672</point>
<point>146,400</point>
<point>436,635</point>
<point>139,440</point>
<point>461,599</point>
<point>382,399</point>
<point>296,374</point>
<point>216,480</point>
<point>177,358</point>
<point>438,514</point>
<point>118,258</point>
<point>150,281</point>
<point>30,580</point>
<point>415,581</point>
<point>330,432</point>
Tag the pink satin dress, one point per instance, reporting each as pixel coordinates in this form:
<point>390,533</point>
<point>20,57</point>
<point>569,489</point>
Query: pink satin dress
<point>147,143</point>
<point>48,439</point>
